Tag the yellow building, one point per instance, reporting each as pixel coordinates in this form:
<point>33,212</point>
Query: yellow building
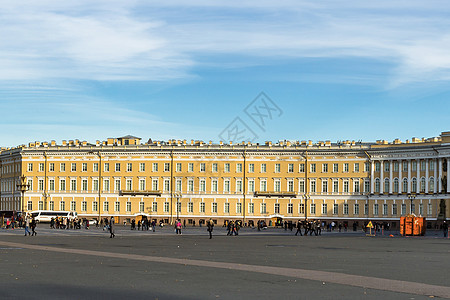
<point>344,182</point>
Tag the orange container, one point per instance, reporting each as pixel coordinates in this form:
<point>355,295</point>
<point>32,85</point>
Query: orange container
<point>412,225</point>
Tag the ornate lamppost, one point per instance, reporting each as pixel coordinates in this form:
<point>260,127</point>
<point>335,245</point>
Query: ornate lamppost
<point>306,197</point>
<point>411,198</point>
<point>177,196</point>
<point>23,186</point>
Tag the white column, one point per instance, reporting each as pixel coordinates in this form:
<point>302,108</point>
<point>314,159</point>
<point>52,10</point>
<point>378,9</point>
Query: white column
<point>440,175</point>
<point>448,172</point>
<point>435,175</point>
<point>400,180</point>
<point>381,177</point>
<point>409,176</point>
<point>391,172</point>
<point>372,180</point>
<point>418,176</point>
<point>426,176</point>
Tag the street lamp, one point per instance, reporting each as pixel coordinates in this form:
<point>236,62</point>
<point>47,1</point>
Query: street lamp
<point>306,197</point>
<point>23,187</point>
<point>178,196</point>
<point>411,198</point>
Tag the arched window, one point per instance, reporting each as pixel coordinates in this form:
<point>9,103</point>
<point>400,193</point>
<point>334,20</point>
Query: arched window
<point>422,185</point>
<point>396,185</point>
<point>377,185</point>
<point>386,185</point>
<point>414,185</point>
<point>431,185</point>
<point>405,185</point>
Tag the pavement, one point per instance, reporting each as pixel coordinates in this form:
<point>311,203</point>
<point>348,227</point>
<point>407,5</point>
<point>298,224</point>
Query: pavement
<point>269,264</point>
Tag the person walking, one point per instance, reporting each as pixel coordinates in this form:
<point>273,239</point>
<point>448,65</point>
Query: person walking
<point>210,228</point>
<point>153,225</point>
<point>27,225</point>
<point>111,228</point>
<point>178,227</point>
<point>445,228</point>
<point>33,227</point>
<point>299,228</point>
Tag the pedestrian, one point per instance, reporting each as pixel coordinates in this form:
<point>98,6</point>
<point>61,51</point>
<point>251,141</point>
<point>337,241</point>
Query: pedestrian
<point>445,228</point>
<point>230,226</point>
<point>27,225</point>
<point>111,228</point>
<point>299,227</point>
<point>210,228</point>
<point>33,227</point>
<point>178,227</point>
<point>153,225</point>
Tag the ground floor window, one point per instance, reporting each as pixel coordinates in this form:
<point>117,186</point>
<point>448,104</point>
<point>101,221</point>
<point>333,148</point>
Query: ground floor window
<point>41,205</point>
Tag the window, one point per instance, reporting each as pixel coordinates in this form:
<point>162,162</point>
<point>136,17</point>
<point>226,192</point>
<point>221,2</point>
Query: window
<point>166,207</point>
<point>62,205</point>
<point>387,166</point>
<point>238,208</point>
<point>277,186</point>
<point>95,167</point>
<point>51,185</point>
<point>366,167</point>
<point>366,186</point>
<point>335,186</point>
<point>226,208</point>
<point>356,168</point>
<point>414,165</point>
<point>356,186</point>
<point>95,206</point>
<point>117,184</point>
<point>395,166</point>
<point>290,186</point>
<point>30,205</point>
<point>356,209</point>
<point>301,168</point>
<point>73,167</point>
<point>277,208</point>
<point>346,167</point>
<point>394,209</point>
<point>290,208</point>
<point>377,167</point>
<point>313,208</point>
<point>178,185</point>
<point>178,167</point>
<point>141,167</point>
<point>375,209</point>
<point>290,168</point>
<point>301,208</point>
<point>335,168</point>
<point>215,185</point>
<point>414,185</point>
<point>251,168</point>
<point>178,207</point>
<point>313,168</point>
<point>263,168</point>
<point>239,168</point>
<point>277,168</point>
<point>422,185</point>
<point>30,167</point>
<point>84,185</point>
<point>190,167</point>
<point>128,207</point>
<point>214,168</point>
<point>166,167</point>
<point>141,206</point>
<point>251,208</point>
<point>239,186</point>
<point>226,168</point>
<point>346,186</point>
<point>422,165</point>
<point>155,167</point>
<point>105,206</point>
<point>202,185</point>
<point>41,205</point>
<point>190,207</point>
<point>431,165</point>
<point>62,184</point>
<point>386,185</point>
<point>263,186</point>
<point>301,186</point>
<point>335,209</point>
<point>83,206</point>
<point>431,185</point>
<point>106,185</point>
<point>377,185</point>
<point>403,209</point>
<point>51,205</point>
<point>324,168</point>
<point>166,185</point>
<point>251,185</point>
<point>396,186</point>
<point>324,209</point>
<point>154,206</point>
<point>214,208</point>
<point>142,184</point>
<point>117,167</point>
<point>313,186</point>
<point>106,167</point>
<point>41,167</point>
<point>73,206</point>
<point>129,167</point>
<point>385,209</point>
<point>226,185</point>
<point>405,185</point>
<point>129,184</point>
<point>366,209</point>
<point>413,208</point>
<point>62,167</point>
<point>202,207</point>
<point>190,185</point>
<point>405,166</point>
<point>324,186</point>
<point>421,209</point>
<point>430,209</point>
<point>345,208</point>
<point>84,167</point>
<point>202,167</point>
<point>51,167</point>
<point>73,184</point>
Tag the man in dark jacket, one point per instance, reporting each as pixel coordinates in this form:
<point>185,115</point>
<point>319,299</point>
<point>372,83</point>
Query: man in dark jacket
<point>210,228</point>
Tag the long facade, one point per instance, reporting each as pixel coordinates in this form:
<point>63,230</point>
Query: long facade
<point>347,182</point>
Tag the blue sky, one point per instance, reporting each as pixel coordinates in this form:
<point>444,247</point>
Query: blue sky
<point>186,69</point>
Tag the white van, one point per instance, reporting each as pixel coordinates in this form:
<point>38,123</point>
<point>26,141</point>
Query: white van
<point>43,216</point>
